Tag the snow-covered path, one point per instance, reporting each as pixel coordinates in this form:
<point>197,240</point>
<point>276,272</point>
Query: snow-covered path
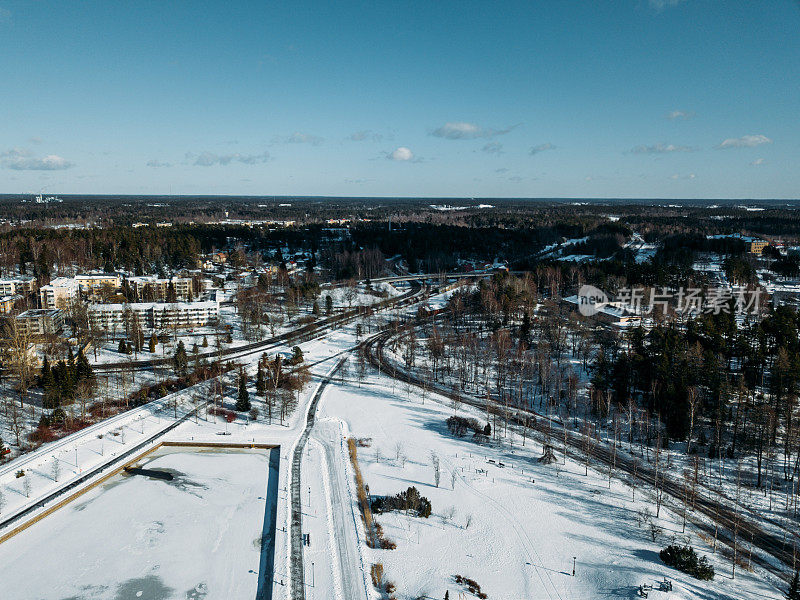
<point>342,518</point>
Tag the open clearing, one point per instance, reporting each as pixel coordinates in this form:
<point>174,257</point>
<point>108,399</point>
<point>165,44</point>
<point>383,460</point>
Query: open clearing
<point>207,533</point>
<point>514,528</point>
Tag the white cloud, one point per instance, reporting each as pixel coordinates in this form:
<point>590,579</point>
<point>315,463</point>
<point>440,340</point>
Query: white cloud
<point>746,141</point>
<point>459,130</point>
<point>689,176</point>
<point>367,134</point>
<point>298,138</point>
<point>493,148</point>
<point>541,148</point>
<point>401,154</point>
<point>660,149</point>
<point>757,162</point>
<point>208,159</point>
<point>660,5</point>
<point>682,115</point>
<point>155,163</point>
<point>21,159</point>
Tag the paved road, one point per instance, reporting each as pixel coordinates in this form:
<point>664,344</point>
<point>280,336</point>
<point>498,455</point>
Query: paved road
<point>328,433</point>
<point>298,589</point>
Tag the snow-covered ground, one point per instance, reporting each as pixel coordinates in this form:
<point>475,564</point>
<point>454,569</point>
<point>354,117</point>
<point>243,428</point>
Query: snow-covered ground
<point>196,536</point>
<point>513,529</point>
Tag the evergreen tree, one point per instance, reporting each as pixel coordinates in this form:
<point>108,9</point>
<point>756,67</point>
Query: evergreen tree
<point>153,342</point>
<point>171,295</point>
<point>181,360</point>
<point>243,400</point>
<point>139,340</point>
<point>794,587</point>
<point>297,356</point>
<point>122,347</point>
<point>315,308</point>
<point>261,384</point>
<point>205,342</point>
<point>46,375</point>
<point>83,370</point>
<point>328,305</point>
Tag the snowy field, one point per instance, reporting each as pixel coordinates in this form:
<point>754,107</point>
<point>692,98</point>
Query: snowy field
<point>197,536</point>
<point>513,529</point>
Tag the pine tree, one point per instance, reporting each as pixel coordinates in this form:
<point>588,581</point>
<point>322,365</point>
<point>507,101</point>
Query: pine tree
<point>122,348</point>
<point>181,360</point>
<point>261,383</point>
<point>83,370</point>
<point>205,342</point>
<point>243,400</point>
<point>315,308</point>
<point>46,378</point>
<point>153,342</point>
<point>171,295</point>
<point>794,587</point>
<point>328,305</point>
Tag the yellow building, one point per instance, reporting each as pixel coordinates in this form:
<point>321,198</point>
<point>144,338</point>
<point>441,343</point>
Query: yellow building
<point>755,245</point>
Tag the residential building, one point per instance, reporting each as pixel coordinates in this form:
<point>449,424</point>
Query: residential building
<point>39,322</point>
<point>60,292</point>
<point>91,284</point>
<point>157,289</point>
<point>22,285</point>
<point>617,314</point>
<point>753,245</point>
<point>7,303</point>
<point>153,315</point>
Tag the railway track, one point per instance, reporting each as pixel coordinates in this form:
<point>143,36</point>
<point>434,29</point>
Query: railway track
<point>726,513</point>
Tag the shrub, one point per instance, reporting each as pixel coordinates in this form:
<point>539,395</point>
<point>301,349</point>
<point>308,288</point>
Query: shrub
<point>460,426</point>
<point>411,500</point>
<point>42,434</point>
<point>685,559</point>
<point>471,585</point>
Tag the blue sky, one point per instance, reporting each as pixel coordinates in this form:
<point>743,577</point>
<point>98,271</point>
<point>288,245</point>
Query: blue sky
<point>594,98</point>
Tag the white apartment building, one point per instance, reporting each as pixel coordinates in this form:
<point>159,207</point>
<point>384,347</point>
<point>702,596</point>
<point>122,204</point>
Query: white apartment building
<point>22,285</point>
<point>60,292</point>
<point>39,322</point>
<point>153,315</point>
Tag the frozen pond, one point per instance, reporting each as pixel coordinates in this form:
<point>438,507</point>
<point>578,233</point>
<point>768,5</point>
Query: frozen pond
<point>206,533</point>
